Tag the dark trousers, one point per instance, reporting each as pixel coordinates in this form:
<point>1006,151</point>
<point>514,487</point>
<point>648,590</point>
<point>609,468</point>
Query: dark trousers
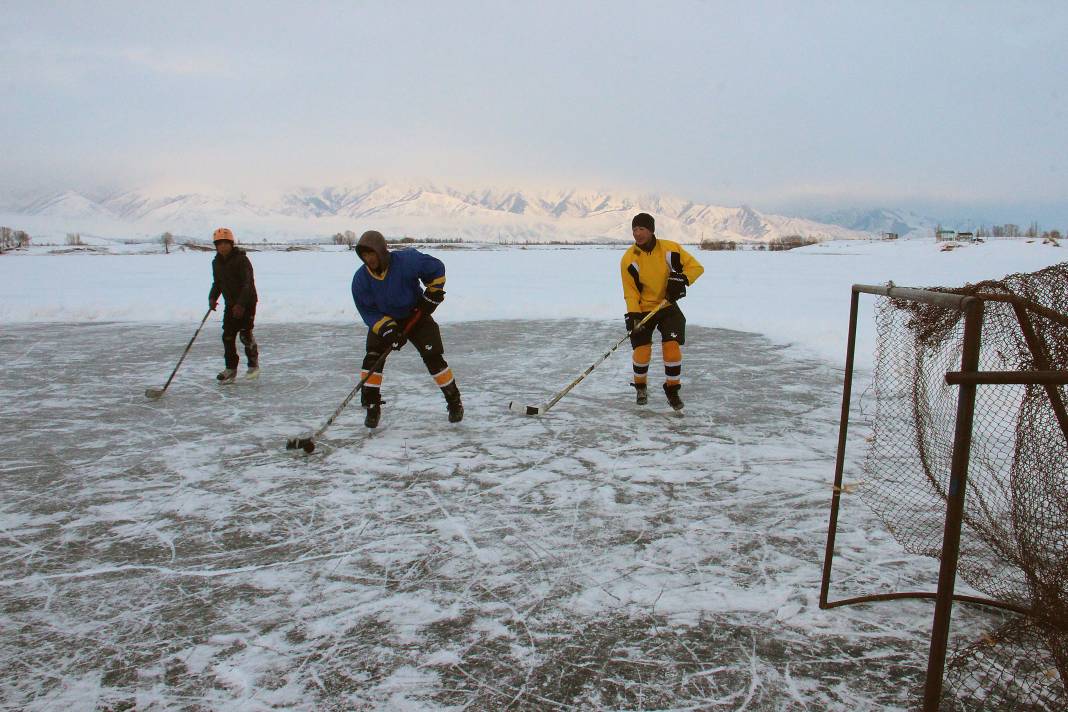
<point>669,321</point>
<point>425,337</point>
<point>234,327</point>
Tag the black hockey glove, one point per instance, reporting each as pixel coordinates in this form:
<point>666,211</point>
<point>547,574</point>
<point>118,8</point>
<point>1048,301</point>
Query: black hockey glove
<point>430,300</point>
<point>392,334</point>
<point>676,286</point>
<point>632,319</point>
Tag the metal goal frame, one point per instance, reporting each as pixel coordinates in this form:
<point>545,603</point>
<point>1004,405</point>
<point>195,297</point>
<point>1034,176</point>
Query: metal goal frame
<point>967,379</point>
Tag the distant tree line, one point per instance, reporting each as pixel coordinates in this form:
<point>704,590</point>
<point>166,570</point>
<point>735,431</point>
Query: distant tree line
<point>778,244</point>
<point>718,245</point>
<point>527,242</point>
<point>1007,230</point>
<point>13,239</point>
<point>790,242</point>
<point>345,238</point>
<point>425,240</point>
<point>349,238</point>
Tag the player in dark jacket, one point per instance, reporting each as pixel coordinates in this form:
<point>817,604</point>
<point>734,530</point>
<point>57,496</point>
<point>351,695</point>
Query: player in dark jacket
<point>233,279</point>
<point>388,290</point>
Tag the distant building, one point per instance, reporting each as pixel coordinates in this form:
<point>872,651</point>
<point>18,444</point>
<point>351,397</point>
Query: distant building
<point>966,236</point>
<point>889,235</point>
<point>943,235</point>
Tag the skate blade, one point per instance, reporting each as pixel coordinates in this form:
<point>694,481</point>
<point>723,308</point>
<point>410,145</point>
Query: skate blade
<point>252,375</point>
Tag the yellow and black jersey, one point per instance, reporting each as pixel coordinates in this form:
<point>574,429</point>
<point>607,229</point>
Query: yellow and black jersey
<point>645,273</point>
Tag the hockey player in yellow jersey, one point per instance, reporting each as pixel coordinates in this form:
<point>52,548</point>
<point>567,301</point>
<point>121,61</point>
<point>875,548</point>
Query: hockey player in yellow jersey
<point>653,270</point>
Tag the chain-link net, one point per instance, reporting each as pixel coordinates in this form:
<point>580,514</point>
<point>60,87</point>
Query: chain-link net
<point>1014,539</point>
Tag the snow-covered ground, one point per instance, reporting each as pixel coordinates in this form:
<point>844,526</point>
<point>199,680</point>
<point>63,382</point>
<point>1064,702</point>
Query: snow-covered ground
<point>799,297</point>
<point>172,555</point>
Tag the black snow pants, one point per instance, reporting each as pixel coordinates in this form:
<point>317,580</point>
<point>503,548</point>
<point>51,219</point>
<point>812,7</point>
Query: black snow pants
<point>234,327</point>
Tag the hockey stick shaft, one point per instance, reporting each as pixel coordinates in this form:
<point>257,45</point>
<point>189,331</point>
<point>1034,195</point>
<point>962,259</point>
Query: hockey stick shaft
<point>186,352</point>
<point>295,443</point>
<point>607,353</point>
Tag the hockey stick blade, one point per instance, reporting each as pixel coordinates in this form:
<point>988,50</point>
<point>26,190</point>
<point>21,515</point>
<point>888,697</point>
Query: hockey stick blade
<point>305,444</point>
<point>154,393</point>
<point>544,407</point>
<point>517,407</point>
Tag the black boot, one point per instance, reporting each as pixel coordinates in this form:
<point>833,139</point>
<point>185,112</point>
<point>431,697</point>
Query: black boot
<point>672,393</point>
<point>641,393</point>
<point>452,399</point>
<point>371,399</point>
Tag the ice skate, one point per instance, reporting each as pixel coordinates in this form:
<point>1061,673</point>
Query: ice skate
<point>455,405</point>
<point>371,399</point>
<point>672,393</point>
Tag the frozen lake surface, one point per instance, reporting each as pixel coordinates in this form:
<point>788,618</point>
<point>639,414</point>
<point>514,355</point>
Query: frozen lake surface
<point>172,554</point>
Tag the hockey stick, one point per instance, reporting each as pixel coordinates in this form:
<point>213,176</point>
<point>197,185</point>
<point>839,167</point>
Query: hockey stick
<point>544,407</point>
<point>155,393</point>
<point>307,444</point>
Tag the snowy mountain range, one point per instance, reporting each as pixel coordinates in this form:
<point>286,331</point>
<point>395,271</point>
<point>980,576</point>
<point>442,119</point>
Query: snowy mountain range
<point>878,221</point>
<point>415,209</point>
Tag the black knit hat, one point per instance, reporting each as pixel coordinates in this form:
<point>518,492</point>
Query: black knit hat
<point>643,220</point>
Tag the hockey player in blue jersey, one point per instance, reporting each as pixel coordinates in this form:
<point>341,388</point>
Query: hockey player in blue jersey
<point>388,290</point>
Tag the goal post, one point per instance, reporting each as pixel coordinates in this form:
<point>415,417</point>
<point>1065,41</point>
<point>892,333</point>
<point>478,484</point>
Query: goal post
<point>989,361</point>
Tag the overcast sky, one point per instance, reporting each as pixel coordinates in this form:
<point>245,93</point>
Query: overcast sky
<point>952,109</point>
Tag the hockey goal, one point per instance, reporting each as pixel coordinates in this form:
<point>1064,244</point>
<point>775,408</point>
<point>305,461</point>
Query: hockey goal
<point>968,463</point>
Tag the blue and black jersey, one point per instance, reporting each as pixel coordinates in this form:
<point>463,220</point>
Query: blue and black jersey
<point>394,294</point>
